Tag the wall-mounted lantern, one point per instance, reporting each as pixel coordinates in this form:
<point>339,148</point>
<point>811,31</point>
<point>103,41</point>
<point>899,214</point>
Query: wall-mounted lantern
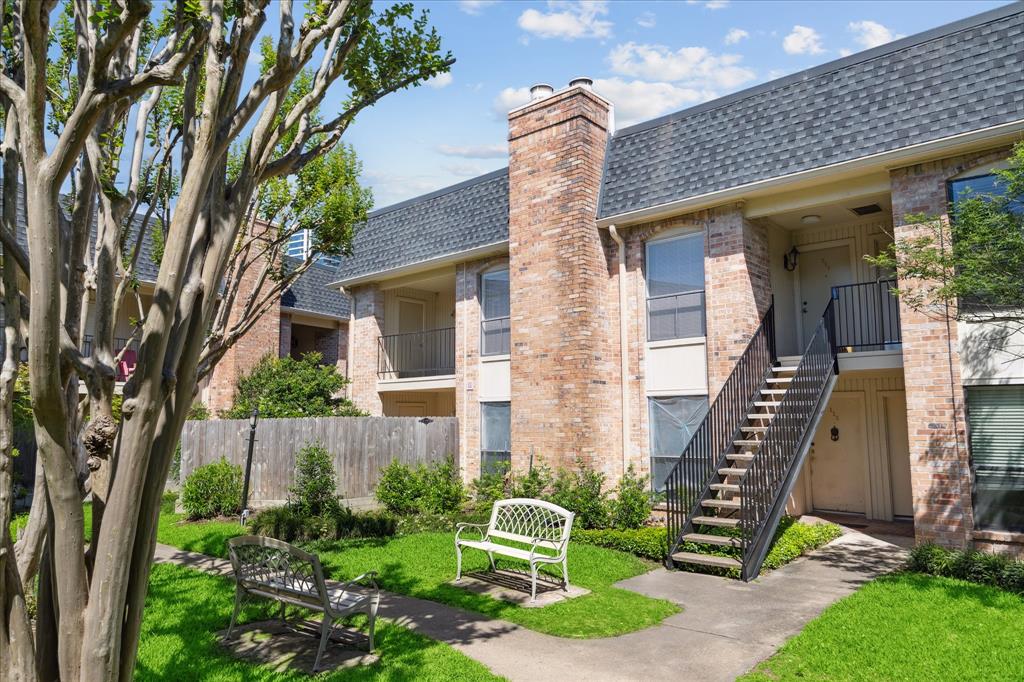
<point>789,260</point>
<point>834,433</point>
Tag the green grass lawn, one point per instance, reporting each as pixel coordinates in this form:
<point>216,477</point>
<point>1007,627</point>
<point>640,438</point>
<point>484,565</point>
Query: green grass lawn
<point>908,627</point>
<point>185,608</point>
<point>422,564</point>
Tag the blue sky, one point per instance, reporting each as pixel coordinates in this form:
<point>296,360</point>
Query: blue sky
<point>649,58</point>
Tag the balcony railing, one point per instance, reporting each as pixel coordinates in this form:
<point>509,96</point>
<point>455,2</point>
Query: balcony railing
<point>416,354</point>
<point>867,316</point>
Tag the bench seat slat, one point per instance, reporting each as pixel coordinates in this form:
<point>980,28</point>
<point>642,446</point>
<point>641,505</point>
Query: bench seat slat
<point>505,550</point>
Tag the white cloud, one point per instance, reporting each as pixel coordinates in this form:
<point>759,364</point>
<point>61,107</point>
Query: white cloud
<point>475,7</point>
<point>638,100</point>
<point>647,20</point>
<point>509,99</point>
<point>473,151</point>
<point>693,66</point>
<point>441,80</point>
<point>710,4</point>
<point>802,40</point>
<point>568,20</point>
<point>463,170</point>
<point>845,52</point>
<point>735,35</point>
<point>389,188</point>
<point>870,34</point>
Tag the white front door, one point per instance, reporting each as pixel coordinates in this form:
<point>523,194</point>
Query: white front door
<point>820,270</point>
<point>837,466</point>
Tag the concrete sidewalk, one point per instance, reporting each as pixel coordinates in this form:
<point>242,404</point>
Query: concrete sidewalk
<point>726,627</point>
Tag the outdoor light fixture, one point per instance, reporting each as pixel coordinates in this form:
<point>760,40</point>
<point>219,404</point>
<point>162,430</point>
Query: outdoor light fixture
<point>834,432</point>
<point>789,259</point>
<point>811,219</point>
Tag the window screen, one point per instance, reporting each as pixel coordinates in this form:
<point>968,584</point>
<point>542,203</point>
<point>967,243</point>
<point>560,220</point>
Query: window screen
<point>675,288</point>
<point>495,436</point>
<point>495,330</point>
<point>672,423</point>
<point>994,417</point>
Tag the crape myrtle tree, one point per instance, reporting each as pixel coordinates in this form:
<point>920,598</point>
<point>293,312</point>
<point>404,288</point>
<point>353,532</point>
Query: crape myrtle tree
<point>970,266</point>
<point>121,120</point>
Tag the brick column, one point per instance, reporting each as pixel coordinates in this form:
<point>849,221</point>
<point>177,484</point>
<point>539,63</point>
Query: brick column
<point>333,347</point>
<point>565,375</point>
<point>367,327</point>
<point>939,464</point>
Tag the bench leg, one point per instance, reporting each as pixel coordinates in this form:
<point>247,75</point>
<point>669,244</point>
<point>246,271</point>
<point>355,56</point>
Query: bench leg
<point>565,574</point>
<point>326,625</point>
<point>533,582</point>
<point>284,619</point>
<point>458,563</point>
<point>374,605</point>
<point>490,555</point>
<point>234,614</point>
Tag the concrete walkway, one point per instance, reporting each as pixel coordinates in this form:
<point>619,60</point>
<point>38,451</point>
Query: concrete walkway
<point>725,629</point>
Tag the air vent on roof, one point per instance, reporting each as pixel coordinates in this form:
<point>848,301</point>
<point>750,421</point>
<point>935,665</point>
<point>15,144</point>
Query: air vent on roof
<point>867,210</point>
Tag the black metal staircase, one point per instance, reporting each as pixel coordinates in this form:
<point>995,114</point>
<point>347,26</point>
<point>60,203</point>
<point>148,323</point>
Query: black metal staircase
<point>729,488</point>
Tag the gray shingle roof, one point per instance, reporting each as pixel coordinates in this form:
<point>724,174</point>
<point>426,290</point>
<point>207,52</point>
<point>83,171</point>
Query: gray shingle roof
<point>465,216</point>
<point>957,78</point>
<point>310,292</point>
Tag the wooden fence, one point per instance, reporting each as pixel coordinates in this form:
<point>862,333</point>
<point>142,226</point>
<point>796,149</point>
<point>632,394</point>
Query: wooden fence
<point>361,446</point>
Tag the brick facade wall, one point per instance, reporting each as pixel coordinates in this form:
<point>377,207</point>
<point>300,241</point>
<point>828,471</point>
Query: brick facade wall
<point>565,373</point>
<point>332,344</point>
<point>939,462</point>
<point>367,326</point>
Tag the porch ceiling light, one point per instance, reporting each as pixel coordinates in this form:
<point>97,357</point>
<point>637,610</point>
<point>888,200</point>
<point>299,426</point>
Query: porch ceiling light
<point>811,219</point>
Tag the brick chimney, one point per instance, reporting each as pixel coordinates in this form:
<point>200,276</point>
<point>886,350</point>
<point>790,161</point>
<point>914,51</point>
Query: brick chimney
<point>564,360</point>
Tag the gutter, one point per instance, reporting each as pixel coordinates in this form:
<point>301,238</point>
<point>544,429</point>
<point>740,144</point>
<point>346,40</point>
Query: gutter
<point>904,156</point>
<point>623,346</point>
<point>423,265</point>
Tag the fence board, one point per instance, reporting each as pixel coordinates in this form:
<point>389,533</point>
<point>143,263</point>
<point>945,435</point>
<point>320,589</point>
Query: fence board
<point>361,448</point>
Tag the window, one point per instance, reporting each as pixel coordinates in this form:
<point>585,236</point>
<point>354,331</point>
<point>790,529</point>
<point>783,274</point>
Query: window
<point>994,416</point>
<point>495,331</point>
<point>672,423</point>
<point>675,287</point>
<point>495,436</point>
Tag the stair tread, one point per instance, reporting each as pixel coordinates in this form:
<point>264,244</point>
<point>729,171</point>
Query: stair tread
<point>705,538</point>
<point>718,521</point>
<point>726,487</point>
<point>746,442</point>
<point>740,456</point>
<point>721,504</point>
<point>760,415</point>
<point>767,403</point>
<point>786,368</point>
<point>754,429</point>
<point>772,391</point>
<point>731,471</point>
<point>779,380</point>
<point>706,560</point>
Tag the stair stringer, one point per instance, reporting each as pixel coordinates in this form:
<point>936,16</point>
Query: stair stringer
<point>763,538</point>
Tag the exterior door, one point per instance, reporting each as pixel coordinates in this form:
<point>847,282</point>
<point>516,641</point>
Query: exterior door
<point>837,466</point>
<point>411,353</point>
<point>820,270</point>
<point>408,409</point>
<point>898,446</point>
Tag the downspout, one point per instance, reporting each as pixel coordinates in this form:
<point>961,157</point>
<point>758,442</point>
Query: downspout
<point>623,345</point>
<point>349,350</point>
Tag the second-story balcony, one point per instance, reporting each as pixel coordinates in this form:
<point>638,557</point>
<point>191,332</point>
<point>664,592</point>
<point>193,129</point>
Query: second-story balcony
<point>416,355</point>
<point>867,317</point>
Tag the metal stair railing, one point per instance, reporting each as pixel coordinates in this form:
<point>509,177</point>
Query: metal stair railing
<point>696,469</point>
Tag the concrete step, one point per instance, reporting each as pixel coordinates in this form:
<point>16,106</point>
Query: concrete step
<point>773,391</point>
<point>725,487</point>
<point>779,380</point>
<point>746,442</point>
<point>785,369</point>
<point>767,403</point>
<point>760,416</point>
<point>753,429</point>
<point>717,521</point>
<point>721,504</point>
<point>790,359</point>
<point>720,540</point>
<point>740,456</point>
<point>731,471</point>
<point>706,560</point>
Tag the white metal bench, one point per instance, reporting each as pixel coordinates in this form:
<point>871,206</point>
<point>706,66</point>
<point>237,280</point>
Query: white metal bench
<point>268,568</point>
<point>541,527</point>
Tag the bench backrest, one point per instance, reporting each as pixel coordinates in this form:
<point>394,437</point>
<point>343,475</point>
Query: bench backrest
<point>522,519</point>
<point>273,566</point>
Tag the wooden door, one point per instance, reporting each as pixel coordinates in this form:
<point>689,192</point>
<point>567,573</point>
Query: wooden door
<point>837,466</point>
<point>820,270</point>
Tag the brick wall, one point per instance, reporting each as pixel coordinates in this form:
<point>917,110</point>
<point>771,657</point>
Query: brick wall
<point>332,344</point>
<point>367,327</point>
<point>939,464</point>
<point>285,342</point>
<point>563,308</point>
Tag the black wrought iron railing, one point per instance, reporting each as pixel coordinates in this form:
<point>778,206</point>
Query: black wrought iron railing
<point>773,470</point>
<point>496,336</point>
<point>703,456</point>
<point>416,354</point>
<point>867,316</point>
<point>676,316</point>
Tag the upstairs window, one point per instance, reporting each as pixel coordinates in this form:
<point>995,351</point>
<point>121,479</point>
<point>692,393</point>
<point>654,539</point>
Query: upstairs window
<point>495,331</point>
<point>675,287</point>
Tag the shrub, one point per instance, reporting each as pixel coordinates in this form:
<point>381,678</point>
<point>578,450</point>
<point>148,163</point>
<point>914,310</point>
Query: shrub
<point>580,491</point>
<point>287,523</point>
<point>971,565</point>
<point>631,506</point>
<point>492,485</point>
<point>286,387</point>
<point>794,539</point>
<point>213,490</point>
<point>167,502</point>
<point>315,487</point>
<point>399,488</point>
<point>535,483</point>
<point>650,542</point>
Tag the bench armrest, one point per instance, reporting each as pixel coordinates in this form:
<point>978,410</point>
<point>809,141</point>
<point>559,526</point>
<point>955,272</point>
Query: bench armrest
<point>479,527</point>
<point>371,575</point>
<point>553,545</point>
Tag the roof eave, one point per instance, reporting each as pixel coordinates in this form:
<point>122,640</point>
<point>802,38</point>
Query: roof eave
<point>946,146</point>
<point>420,266</point>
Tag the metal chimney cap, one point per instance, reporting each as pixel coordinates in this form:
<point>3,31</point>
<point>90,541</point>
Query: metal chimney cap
<point>540,91</point>
<point>582,82</point>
